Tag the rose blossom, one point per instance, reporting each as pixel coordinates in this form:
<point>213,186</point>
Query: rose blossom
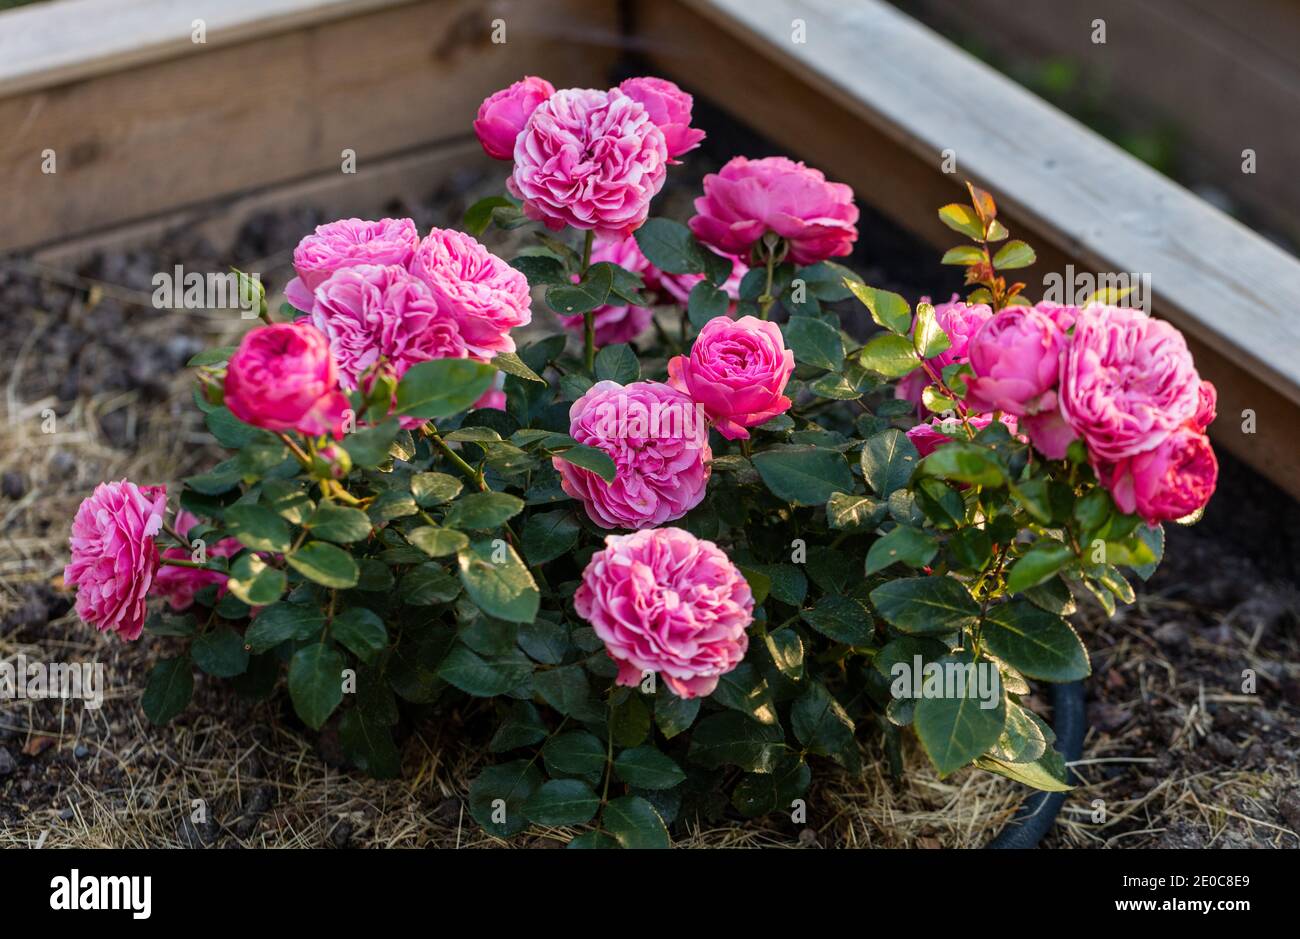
<point>615,323</point>
<point>179,584</point>
<point>371,312</point>
<point>737,370</point>
<point>344,243</point>
<point>748,198</point>
<point>487,296</point>
<point>665,601</point>
<point>1168,482</point>
<point>1015,357</point>
<point>670,108</point>
<point>960,321</point>
<point>591,160</point>
<point>660,448</point>
<point>282,377</point>
<point>503,115</point>
<point>114,557</point>
<point>1126,381</point>
<point>933,434</point>
<point>1207,405</point>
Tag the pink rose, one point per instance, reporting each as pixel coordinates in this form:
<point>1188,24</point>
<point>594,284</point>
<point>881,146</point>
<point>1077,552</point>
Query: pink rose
<point>1207,405</point>
<point>114,557</point>
<point>748,198</point>
<point>1063,316</point>
<point>616,323</point>
<point>737,371</point>
<point>179,584</point>
<point>487,296</point>
<point>503,115</point>
<point>960,321</point>
<point>665,601</point>
<point>670,108</point>
<point>282,377</point>
<point>660,447</point>
<point>1168,482</point>
<point>590,160</point>
<point>934,434</point>
<point>494,399</point>
<point>1016,357</point>
<point>371,313</point>
<point>344,243</point>
<point>1126,381</point>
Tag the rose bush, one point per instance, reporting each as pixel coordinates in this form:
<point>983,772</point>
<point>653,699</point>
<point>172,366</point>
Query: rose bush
<point>677,575</point>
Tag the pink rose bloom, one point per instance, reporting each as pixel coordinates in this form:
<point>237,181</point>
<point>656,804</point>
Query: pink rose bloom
<point>1126,381</point>
<point>1207,405</point>
<point>503,115</point>
<point>679,286</point>
<point>591,160</point>
<point>665,601</point>
<point>748,198</point>
<point>371,312</point>
<point>1063,316</point>
<point>487,296</point>
<point>670,108</point>
<point>616,323</point>
<point>931,436</point>
<point>1168,482</point>
<point>494,399</point>
<point>344,243</point>
<point>960,321</point>
<point>1016,357</point>
<point>737,371</point>
<point>179,584</point>
<point>283,377</point>
<point>660,447</point>
<point>114,557</point>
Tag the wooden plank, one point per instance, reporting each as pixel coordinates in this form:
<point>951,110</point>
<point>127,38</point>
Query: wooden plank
<point>282,107</point>
<point>869,98</point>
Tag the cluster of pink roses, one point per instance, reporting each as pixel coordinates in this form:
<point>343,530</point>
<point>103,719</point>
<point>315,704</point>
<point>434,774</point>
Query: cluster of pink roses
<point>1113,377</point>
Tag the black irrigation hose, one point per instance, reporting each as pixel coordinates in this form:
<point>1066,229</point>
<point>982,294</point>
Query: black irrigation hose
<point>1035,817</point>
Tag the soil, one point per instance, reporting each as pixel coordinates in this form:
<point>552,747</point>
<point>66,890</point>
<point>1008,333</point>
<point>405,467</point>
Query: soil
<point>1177,752</point>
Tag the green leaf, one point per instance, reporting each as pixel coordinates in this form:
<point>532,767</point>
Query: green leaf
<point>497,797</point>
<point>231,432</point>
<point>926,606</point>
<point>434,488</point>
<point>928,338</point>
<point>482,677</point>
<point>888,461</point>
<point>483,510</point>
<point>887,309</point>
<point>629,720</point>
<point>339,523</point>
<point>562,802</point>
<point>498,582</point>
<point>704,303</point>
<point>1035,642</point>
<point>214,356</point>
<point>617,363</point>
<point>368,743</point>
<point>522,727</point>
<point>511,364</point>
<point>889,355</point>
<point>962,219</point>
<point>956,727</point>
<point>1154,539</point>
<point>442,387</point>
<point>541,270</point>
<point>577,752</point>
<point>568,691</point>
<point>842,619</point>
<point>287,499</point>
<point>670,246</point>
<point>438,542</point>
<point>1014,254</point>
<point>316,683</point>
<point>325,564</point>
<point>590,458</point>
<point>822,725</point>
<point>1040,774</point>
<point>647,768</point>
<point>428,584</point>
<point>361,631</point>
<point>673,714</point>
<point>1037,564</point>
<point>220,653</point>
<point>593,840</point>
<point>258,528</point>
<point>1022,739</point>
<point>964,462</point>
<point>588,294</point>
<point>170,687</point>
<point>743,689</point>
<point>804,475</point>
<point>634,823</point>
<point>731,738</point>
<point>369,446</point>
<point>281,622</point>
<point>479,215</point>
<point>904,544</point>
<point>548,535</point>
<point>252,581</point>
<point>965,255</point>
<point>815,342</point>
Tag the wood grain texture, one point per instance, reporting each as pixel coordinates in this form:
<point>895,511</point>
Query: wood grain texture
<point>224,119</point>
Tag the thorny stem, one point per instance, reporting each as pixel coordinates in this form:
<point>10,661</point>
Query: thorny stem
<point>589,317</point>
<point>470,473</point>
<point>766,300</point>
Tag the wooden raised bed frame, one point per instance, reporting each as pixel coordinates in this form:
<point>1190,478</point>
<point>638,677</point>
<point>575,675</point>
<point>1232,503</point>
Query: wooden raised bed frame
<point>151,129</point>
